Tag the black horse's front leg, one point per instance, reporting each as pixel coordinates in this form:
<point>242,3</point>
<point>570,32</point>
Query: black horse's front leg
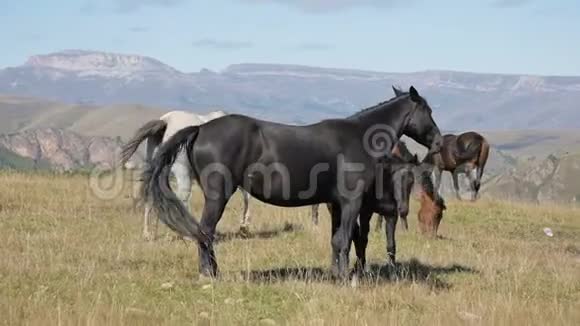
<point>391,244</point>
<point>342,238</point>
<point>361,238</point>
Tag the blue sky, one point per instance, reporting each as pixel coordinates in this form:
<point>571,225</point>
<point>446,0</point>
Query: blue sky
<point>506,36</point>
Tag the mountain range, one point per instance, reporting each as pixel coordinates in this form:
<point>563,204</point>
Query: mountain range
<point>73,109</point>
<point>296,94</point>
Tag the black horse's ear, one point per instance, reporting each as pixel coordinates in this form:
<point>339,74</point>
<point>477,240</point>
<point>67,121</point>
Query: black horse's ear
<point>415,159</point>
<point>415,97</point>
<point>397,92</point>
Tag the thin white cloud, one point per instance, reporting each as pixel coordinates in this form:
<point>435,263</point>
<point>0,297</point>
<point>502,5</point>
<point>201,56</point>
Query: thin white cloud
<point>314,46</point>
<point>324,6</point>
<point>139,29</point>
<point>135,5</point>
<point>510,3</point>
<point>222,44</point>
<point>127,6</point>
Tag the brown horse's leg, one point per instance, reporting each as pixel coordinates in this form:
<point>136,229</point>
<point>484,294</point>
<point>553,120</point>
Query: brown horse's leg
<point>456,183</point>
<point>474,183</point>
<point>471,172</point>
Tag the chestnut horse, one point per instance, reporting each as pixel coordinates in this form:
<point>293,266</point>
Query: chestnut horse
<point>432,206</point>
<point>465,153</point>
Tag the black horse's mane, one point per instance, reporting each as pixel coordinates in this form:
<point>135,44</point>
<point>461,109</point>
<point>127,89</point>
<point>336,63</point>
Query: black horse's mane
<point>374,107</point>
<point>403,148</point>
<point>384,103</point>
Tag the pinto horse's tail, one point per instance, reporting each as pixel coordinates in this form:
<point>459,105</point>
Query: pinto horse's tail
<point>156,187</point>
<point>153,130</point>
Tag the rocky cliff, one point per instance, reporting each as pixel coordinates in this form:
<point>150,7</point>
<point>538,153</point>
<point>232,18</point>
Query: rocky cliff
<point>63,150</point>
<point>553,179</point>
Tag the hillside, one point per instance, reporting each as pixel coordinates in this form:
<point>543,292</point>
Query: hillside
<point>11,160</point>
<point>548,180</point>
<point>512,151</point>
<point>297,94</point>
<point>23,113</point>
<point>525,118</point>
<point>57,149</point>
<point>71,258</point>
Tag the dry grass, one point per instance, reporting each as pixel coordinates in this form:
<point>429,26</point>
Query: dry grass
<point>69,258</point>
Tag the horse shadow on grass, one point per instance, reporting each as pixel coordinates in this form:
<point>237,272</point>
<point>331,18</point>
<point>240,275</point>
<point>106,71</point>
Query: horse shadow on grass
<point>408,271</point>
<point>261,234</point>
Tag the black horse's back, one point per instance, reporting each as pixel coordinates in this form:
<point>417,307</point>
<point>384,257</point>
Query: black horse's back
<point>270,159</point>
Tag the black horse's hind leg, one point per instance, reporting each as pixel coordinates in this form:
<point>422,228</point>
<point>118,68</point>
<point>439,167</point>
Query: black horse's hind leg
<point>212,213</point>
<point>391,244</point>
<point>341,239</point>
<point>335,213</point>
<point>361,239</point>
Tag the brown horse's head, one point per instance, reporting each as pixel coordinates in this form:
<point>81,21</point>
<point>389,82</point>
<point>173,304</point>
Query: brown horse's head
<point>432,207</point>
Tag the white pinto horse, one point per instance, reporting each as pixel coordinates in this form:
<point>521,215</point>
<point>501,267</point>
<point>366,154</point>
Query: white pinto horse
<point>156,132</point>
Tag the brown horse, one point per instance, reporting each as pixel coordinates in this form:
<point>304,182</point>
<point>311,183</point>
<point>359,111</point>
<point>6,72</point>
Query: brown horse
<point>465,153</point>
<point>432,206</point>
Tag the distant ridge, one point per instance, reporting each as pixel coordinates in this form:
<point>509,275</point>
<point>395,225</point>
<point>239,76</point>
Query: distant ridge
<point>294,93</point>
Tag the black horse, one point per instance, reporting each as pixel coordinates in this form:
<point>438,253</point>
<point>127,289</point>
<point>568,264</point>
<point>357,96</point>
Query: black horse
<point>333,161</point>
<point>402,151</point>
<point>393,202</point>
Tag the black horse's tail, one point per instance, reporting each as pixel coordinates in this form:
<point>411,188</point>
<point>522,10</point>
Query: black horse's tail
<point>156,187</point>
<point>153,129</point>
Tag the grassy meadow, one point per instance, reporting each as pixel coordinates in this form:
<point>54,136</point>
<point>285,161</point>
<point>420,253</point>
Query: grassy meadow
<point>69,258</point>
